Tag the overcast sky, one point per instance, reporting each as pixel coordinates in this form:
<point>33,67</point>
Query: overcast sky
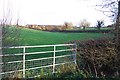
<point>52,12</point>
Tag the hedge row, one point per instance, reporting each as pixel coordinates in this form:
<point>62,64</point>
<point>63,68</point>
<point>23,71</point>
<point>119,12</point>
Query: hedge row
<point>81,31</point>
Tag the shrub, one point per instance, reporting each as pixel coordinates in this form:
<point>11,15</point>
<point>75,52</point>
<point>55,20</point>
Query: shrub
<point>98,57</point>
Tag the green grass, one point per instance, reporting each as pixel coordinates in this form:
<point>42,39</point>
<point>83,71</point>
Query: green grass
<point>36,37</point>
<point>30,37</point>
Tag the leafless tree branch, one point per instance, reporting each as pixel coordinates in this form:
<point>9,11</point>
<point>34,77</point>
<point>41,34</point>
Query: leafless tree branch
<point>109,8</point>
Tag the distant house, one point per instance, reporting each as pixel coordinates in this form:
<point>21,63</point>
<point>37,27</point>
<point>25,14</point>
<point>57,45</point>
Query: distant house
<point>110,25</point>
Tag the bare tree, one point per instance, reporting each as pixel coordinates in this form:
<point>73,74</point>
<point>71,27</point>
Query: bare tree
<point>9,34</point>
<point>109,8</point>
<point>117,37</point>
<point>112,8</point>
<point>67,25</point>
<point>84,23</point>
<point>100,23</point>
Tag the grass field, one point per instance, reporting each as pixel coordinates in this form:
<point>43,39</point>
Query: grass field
<point>30,37</point>
<point>36,37</point>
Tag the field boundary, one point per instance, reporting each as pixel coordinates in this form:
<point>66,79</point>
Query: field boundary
<point>80,31</point>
